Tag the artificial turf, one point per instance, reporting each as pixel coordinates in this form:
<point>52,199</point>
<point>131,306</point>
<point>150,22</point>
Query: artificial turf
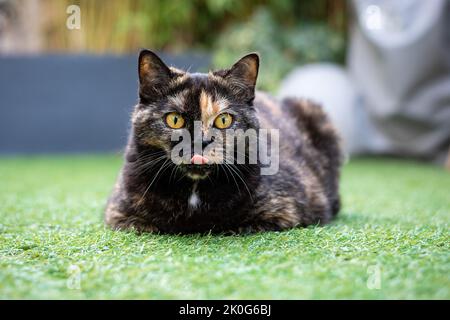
<point>391,241</point>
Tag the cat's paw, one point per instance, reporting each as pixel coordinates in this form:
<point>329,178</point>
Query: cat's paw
<point>118,220</point>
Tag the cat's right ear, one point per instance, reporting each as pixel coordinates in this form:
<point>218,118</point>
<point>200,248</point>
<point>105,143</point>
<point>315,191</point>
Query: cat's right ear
<point>154,75</point>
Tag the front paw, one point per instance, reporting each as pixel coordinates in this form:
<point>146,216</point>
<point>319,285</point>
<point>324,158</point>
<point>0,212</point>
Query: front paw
<point>120,221</point>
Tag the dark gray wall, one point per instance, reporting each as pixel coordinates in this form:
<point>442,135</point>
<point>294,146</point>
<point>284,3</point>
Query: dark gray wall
<point>70,103</point>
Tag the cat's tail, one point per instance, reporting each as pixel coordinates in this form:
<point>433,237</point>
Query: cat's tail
<point>323,138</point>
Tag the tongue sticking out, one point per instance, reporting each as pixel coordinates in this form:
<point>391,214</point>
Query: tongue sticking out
<point>198,159</point>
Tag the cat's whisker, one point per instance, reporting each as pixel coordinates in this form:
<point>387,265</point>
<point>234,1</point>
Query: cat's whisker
<point>149,186</point>
<point>182,177</point>
<point>148,166</point>
<point>216,170</point>
<point>238,174</point>
<point>144,166</point>
<point>174,169</point>
<point>209,178</point>
<point>167,166</point>
<point>231,173</point>
<point>145,156</point>
<point>226,174</point>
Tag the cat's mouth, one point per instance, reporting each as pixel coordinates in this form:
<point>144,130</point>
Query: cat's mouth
<point>199,167</point>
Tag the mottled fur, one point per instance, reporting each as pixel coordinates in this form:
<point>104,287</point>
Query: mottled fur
<point>157,195</point>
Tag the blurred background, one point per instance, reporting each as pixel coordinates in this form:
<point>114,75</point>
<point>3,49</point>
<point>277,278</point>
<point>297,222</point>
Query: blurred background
<point>286,33</point>
<point>68,68</point>
<point>71,90</point>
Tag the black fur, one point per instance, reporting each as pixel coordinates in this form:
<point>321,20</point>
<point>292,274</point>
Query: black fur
<point>153,196</point>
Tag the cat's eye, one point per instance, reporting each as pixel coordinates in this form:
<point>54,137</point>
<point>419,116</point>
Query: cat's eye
<point>174,120</point>
<point>223,121</point>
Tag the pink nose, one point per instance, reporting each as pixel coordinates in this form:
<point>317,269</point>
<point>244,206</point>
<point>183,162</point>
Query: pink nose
<point>198,159</point>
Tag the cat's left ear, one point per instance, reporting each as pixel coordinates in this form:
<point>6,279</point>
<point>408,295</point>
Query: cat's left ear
<point>243,74</point>
<point>154,75</point>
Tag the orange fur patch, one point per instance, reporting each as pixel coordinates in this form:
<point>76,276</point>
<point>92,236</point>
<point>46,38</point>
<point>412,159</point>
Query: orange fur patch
<point>252,70</point>
<point>145,68</point>
<point>210,108</point>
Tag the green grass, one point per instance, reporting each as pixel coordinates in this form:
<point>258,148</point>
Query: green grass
<point>395,220</point>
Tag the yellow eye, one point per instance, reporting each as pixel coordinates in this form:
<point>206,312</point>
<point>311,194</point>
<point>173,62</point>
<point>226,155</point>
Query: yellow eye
<point>223,121</point>
<point>174,120</point>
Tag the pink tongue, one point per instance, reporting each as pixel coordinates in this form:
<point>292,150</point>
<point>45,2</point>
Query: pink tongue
<point>198,159</point>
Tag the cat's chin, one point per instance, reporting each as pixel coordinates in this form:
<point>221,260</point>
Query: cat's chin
<point>197,176</point>
<point>197,172</point>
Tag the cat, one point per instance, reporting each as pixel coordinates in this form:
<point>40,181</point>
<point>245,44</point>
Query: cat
<point>154,194</point>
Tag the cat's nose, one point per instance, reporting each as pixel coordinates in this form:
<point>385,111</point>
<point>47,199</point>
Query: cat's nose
<point>198,159</point>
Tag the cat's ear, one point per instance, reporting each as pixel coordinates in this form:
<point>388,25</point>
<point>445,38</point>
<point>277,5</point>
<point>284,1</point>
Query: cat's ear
<point>154,75</point>
<point>246,70</point>
<point>243,74</point>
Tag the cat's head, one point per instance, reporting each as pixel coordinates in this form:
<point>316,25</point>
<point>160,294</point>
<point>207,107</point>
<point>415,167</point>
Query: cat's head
<point>172,100</point>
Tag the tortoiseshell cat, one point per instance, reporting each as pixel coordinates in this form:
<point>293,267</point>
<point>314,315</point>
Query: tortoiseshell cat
<point>153,194</point>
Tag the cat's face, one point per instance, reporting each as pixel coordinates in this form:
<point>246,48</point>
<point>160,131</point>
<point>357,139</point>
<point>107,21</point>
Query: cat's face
<point>172,100</point>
